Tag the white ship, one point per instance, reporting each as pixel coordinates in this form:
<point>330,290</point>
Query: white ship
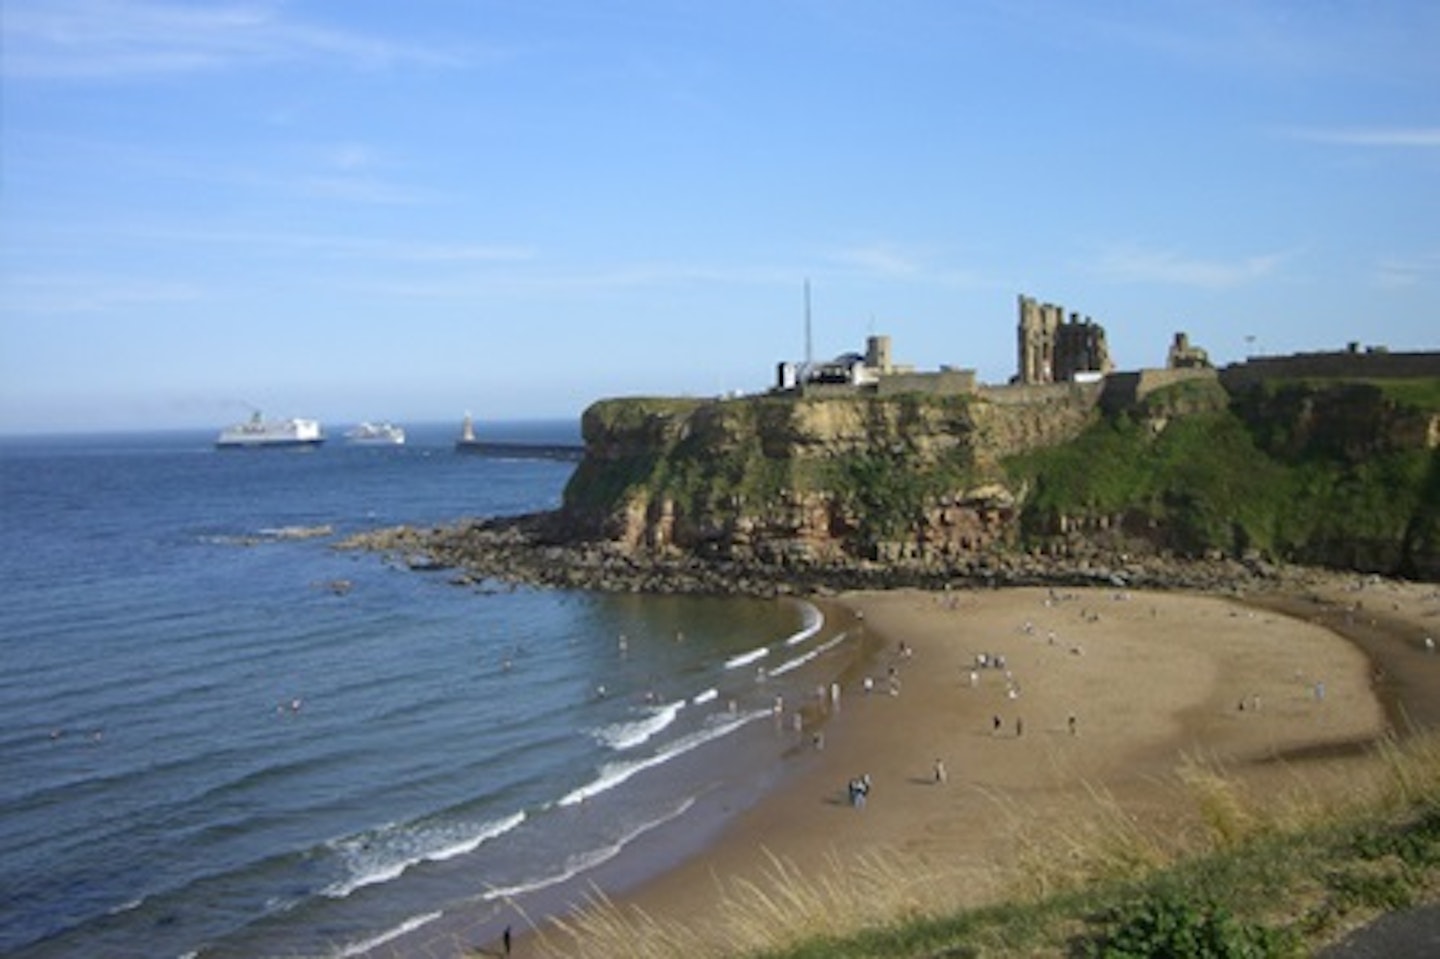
<point>258,432</point>
<point>377,434</point>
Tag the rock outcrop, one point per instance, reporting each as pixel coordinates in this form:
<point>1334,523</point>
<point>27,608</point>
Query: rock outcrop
<point>1180,484</point>
<point>814,479</point>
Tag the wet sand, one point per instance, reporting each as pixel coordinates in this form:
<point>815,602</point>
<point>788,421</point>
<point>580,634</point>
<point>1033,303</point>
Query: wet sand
<point>1154,682</point>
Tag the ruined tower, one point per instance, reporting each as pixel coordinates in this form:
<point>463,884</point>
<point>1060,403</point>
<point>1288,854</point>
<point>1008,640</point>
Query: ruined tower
<point>1054,350</point>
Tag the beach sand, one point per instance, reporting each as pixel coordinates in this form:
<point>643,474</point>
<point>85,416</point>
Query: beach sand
<point>1158,684</point>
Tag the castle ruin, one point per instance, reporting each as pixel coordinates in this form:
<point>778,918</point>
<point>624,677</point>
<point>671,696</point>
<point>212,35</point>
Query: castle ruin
<point>1055,350</point>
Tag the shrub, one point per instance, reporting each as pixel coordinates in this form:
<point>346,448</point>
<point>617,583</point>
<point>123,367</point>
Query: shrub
<point>1167,925</point>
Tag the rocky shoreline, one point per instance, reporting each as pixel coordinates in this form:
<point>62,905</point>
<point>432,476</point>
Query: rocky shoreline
<point>536,550</point>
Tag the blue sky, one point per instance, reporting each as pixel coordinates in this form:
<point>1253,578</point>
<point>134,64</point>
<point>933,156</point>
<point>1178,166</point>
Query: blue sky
<point>366,209</point>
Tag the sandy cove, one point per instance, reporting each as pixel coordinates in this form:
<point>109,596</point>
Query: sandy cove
<point>1155,682</point>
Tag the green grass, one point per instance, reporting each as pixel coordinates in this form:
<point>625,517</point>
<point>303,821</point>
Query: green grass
<point>1296,471</point>
<point>1418,393</point>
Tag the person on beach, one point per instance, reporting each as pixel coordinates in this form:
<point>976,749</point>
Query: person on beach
<point>940,776</point>
<point>505,940</point>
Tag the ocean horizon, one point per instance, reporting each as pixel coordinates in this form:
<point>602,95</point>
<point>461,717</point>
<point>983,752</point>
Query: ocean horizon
<point>223,737</point>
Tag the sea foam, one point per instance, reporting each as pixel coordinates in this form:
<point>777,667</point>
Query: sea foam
<point>375,942</point>
<point>745,659</point>
<point>613,774</point>
<point>379,857</point>
<point>589,859</point>
<point>623,736</point>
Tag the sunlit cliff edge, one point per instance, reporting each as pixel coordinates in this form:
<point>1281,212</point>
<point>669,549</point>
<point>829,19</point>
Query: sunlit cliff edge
<point>1339,471</point>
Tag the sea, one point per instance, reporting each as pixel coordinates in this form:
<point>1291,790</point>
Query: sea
<point>222,736</point>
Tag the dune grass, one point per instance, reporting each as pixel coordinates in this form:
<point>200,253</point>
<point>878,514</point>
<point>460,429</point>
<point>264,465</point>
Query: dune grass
<point>1277,874</point>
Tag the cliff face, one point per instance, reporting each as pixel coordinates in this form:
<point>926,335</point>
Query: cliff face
<point>813,479</point>
<point>1345,476</point>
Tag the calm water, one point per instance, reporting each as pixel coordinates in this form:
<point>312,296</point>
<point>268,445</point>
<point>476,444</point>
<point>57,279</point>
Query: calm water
<point>210,749</point>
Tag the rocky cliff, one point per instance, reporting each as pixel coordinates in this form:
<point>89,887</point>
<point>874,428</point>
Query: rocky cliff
<point>813,479</point>
<point>1342,476</point>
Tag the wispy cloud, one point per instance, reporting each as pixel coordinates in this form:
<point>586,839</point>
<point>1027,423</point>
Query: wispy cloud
<point>1389,137</point>
<point>1133,265</point>
<point>328,245</point>
<point>1401,273</point>
<point>111,39</point>
<point>882,259</point>
<point>887,261</point>
<point>45,295</point>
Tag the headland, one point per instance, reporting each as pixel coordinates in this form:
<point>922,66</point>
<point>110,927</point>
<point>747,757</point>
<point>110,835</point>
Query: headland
<point>1094,591</point>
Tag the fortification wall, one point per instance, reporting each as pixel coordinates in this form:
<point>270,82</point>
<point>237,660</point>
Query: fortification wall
<point>1341,363</point>
<point>1125,390</point>
<point>1026,394</point>
<point>943,383</point>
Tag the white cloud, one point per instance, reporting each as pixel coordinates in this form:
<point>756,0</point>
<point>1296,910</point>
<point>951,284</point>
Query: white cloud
<point>1132,265</point>
<point>68,294</point>
<point>109,39</point>
<point>1398,137</point>
<point>888,262</point>
<point>1400,273</point>
<point>880,259</point>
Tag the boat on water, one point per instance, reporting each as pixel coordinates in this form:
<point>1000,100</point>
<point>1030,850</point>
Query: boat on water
<point>260,433</point>
<point>376,434</point>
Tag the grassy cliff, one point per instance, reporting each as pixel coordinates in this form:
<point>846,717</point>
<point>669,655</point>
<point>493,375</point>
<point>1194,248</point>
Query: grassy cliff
<point>1335,473</point>
<point>1338,473</point>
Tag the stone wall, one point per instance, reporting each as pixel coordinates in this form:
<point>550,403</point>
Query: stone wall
<point>1338,364</point>
<point>943,383</point>
<point>1038,394</point>
<point>1126,390</point>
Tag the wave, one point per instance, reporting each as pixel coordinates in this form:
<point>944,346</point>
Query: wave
<point>707,696</point>
<point>623,736</point>
<point>375,942</point>
<point>745,659</point>
<point>385,854</point>
<point>813,621</point>
<point>580,862</point>
<point>613,774</point>
<point>801,660</point>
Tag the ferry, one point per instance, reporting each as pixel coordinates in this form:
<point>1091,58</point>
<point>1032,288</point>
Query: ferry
<point>377,434</point>
<point>258,433</point>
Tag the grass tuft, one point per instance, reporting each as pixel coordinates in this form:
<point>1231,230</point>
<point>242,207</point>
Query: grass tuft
<point>1258,874</point>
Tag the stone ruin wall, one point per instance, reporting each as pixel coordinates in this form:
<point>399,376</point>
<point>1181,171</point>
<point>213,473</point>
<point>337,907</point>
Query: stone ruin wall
<point>1053,349</point>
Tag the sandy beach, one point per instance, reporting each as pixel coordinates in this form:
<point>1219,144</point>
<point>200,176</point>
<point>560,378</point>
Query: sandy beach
<point>1048,709</point>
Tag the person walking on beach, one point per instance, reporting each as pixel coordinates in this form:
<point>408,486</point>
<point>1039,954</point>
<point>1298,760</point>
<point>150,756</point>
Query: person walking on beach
<point>940,776</point>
